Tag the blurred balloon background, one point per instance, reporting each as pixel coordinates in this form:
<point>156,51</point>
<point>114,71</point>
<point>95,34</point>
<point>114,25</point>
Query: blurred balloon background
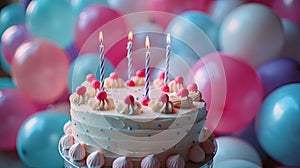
<point>244,56</point>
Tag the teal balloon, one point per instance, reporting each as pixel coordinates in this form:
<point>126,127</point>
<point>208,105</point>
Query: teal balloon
<point>38,138</point>
<point>80,5</point>
<point>52,19</point>
<point>194,34</point>
<point>84,65</point>
<point>3,63</point>
<point>6,83</point>
<point>278,125</point>
<point>10,15</point>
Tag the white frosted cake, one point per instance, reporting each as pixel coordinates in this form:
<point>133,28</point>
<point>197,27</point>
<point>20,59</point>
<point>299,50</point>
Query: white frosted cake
<point>112,127</point>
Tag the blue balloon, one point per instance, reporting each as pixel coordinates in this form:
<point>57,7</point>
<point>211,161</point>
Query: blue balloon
<point>84,65</point>
<point>80,5</point>
<point>38,138</point>
<point>3,63</point>
<point>278,125</point>
<point>10,15</point>
<point>198,34</point>
<point>6,83</point>
<point>52,19</point>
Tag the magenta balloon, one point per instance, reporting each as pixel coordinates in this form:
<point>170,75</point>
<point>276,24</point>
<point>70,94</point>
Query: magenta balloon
<point>175,7</point>
<point>289,9</point>
<point>15,108</point>
<point>12,38</point>
<point>244,92</point>
<point>40,70</point>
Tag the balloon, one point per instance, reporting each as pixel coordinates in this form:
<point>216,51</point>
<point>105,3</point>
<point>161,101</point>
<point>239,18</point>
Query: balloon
<point>15,108</point>
<point>256,38</point>
<point>278,125</point>
<point>238,148</point>
<point>195,33</point>
<point>147,27</point>
<point>45,19</point>
<point>289,9</point>
<point>6,83</point>
<point>274,77</point>
<point>10,15</point>
<point>37,142</point>
<point>12,38</point>
<point>175,7</point>
<point>24,3</point>
<point>220,9</point>
<point>291,40</point>
<point>80,5</point>
<point>235,163</point>
<point>267,3</point>
<point>84,65</point>
<point>4,64</point>
<point>72,52</point>
<point>232,90</point>
<point>40,70</point>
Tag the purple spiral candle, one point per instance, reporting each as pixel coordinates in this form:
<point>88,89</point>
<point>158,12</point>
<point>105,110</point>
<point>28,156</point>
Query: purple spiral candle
<point>167,59</point>
<point>101,52</point>
<point>147,43</point>
<point>129,54</point>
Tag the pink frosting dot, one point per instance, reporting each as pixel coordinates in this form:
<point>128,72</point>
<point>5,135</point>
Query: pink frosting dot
<point>183,92</point>
<point>96,84</point>
<point>101,95</point>
<point>179,80</point>
<point>114,76</point>
<point>129,100</point>
<point>80,90</point>
<point>164,98</point>
<point>130,83</point>
<point>90,77</point>
<point>165,88</point>
<point>192,87</point>
<point>145,101</point>
<point>161,76</point>
<point>140,73</point>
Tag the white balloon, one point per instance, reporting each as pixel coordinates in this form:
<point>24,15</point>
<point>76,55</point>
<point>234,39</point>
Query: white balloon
<point>234,148</point>
<point>252,32</point>
<point>148,27</point>
<point>291,47</point>
<point>235,163</point>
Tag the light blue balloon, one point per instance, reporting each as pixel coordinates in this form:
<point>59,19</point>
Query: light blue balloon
<point>3,63</point>
<point>194,34</point>
<point>10,15</point>
<point>6,83</point>
<point>52,19</point>
<point>84,65</point>
<point>38,138</point>
<point>278,125</point>
<point>80,5</point>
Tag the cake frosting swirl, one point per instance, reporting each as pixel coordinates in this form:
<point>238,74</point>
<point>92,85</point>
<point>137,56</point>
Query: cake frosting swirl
<point>129,107</point>
<point>101,102</point>
<point>114,81</point>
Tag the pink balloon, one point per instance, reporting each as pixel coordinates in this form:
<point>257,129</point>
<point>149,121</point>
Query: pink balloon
<point>12,38</point>
<point>40,70</point>
<point>98,18</point>
<point>15,108</point>
<point>175,7</point>
<point>289,9</point>
<point>218,73</point>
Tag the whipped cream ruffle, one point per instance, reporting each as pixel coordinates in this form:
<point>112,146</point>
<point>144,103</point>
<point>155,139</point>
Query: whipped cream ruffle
<point>196,96</point>
<point>181,102</point>
<point>150,161</point>
<point>129,109</point>
<point>160,107</point>
<point>103,105</point>
<point>77,99</point>
<point>138,81</point>
<point>114,83</point>
<point>174,86</point>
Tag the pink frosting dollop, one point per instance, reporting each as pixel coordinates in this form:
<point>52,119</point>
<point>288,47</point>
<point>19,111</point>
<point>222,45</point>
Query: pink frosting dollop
<point>122,162</point>
<point>196,154</point>
<point>150,161</point>
<point>175,161</point>
<point>66,141</point>
<point>77,152</point>
<point>95,160</point>
<point>90,77</point>
<point>68,127</point>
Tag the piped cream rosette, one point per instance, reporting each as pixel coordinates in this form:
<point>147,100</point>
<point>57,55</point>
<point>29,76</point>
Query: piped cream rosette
<point>194,93</point>
<point>162,105</point>
<point>79,97</point>
<point>176,84</point>
<point>101,102</point>
<point>159,82</point>
<point>181,99</point>
<point>139,78</point>
<point>129,106</point>
<point>114,81</point>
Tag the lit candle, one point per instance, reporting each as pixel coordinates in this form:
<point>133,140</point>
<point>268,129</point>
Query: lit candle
<point>129,54</point>
<point>167,59</point>
<point>147,44</point>
<point>101,52</point>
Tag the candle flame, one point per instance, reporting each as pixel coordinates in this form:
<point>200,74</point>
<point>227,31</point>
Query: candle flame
<point>130,36</point>
<point>147,43</point>
<point>100,37</point>
<point>168,38</point>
